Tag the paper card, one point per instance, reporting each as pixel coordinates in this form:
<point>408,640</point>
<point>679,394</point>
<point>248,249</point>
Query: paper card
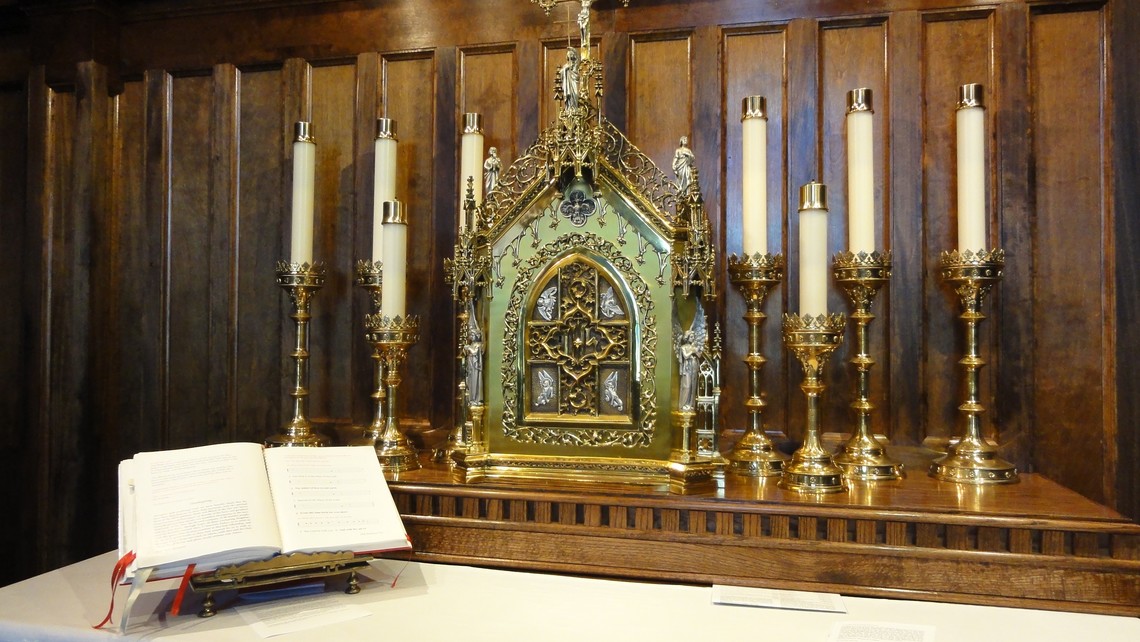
<point>880,632</point>
<point>299,614</point>
<point>777,599</point>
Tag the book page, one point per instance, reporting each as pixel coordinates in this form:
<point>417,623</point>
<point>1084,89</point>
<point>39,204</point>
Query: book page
<point>333,499</point>
<point>207,504</point>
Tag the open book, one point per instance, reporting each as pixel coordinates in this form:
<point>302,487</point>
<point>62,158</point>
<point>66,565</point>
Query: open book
<point>232,503</point>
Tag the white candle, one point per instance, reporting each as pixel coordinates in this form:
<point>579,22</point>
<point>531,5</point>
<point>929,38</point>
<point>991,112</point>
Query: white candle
<point>754,175</point>
<point>384,181</point>
<point>470,164</point>
<point>304,187</point>
<point>971,118</point>
<point>860,172</point>
<point>395,271</point>
<point>813,249</point>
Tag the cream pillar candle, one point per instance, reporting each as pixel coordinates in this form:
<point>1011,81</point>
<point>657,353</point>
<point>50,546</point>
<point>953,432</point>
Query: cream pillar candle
<point>471,163</point>
<point>384,183</point>
<point>395,271</point>
<point>813,249</point>
<point>971,121</point>
<point>860,172</point>
<point>304,188</point>
<point>754,175</point>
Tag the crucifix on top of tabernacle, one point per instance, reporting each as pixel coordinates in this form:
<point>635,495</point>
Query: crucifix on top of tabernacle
<point>583,20</point>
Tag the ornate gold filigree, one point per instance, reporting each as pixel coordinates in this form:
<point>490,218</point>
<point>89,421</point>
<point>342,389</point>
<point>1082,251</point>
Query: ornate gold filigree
<point>603,342</point>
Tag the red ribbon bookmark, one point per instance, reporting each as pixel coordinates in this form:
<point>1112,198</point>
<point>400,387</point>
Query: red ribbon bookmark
<point>176,606</point>
<point>117,575</point>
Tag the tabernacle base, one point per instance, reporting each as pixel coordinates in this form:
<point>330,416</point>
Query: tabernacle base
<point>1033,544</point>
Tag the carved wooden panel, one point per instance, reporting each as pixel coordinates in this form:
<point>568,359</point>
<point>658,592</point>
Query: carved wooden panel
<point>754,65</point>
<point>963,43</point>
<point>488,87</point>
<point>1071,224</point>
<point>659,104</point>
<point>853,55</point>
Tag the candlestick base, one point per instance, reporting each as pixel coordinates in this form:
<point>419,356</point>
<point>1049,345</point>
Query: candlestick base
<point>865,459</point>
<point>973,461</point>
<point>296,436</point>
<point>755,456</point>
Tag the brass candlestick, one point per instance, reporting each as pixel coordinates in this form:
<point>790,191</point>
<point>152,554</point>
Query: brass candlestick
<point>754,455</point>
<point>300,280</point>
<point>972,460</point>
<point>812,340</point>
<point>863,457</point>
<point>392,337</point>
<point>369,276</point>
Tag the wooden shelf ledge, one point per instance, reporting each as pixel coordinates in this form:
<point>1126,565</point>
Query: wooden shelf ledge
<point>1032,544</point>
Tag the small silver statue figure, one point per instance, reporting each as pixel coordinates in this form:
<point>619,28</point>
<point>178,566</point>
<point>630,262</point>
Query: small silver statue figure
<point>568,75</point>
<point>474,359</point>
<point>683,160</point>
<point>690,346</point>
<point>491,168</point>
<point>584,23</point>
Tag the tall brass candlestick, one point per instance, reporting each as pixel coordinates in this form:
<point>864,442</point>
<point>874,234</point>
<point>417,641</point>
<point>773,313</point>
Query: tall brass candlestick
<point>973,460</point>
<point>392,337</point>
<point>369,275</point>
<point>300,280</point>
<point>812,339</point>
<point>754,455</point>
<point>863,457</point>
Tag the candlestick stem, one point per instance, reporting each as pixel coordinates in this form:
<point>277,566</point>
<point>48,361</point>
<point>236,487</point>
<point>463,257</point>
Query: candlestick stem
<point>755,455</point>
<point>863,457</point>
<point>392,337</point>
<point>369,275</point>
<point>301,281</point>
<point>973,460</point>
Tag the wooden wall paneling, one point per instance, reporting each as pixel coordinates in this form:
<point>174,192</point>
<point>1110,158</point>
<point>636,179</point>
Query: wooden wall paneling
<point>77,410</point>
<point>156,162</point>
<point>1012,329</point>
<point>905,296</point>
<point>754,65</point>
<point>367,108</point>
<point>615,49</point>
<point>42,192</point>
<point>660,96</point>
<point>16,436</point>
<point>138,272</point>
<point>1124,104</point>
<point>225,131</point>
<point>262,208</point>
<point>803,165</point>
<point>964,42</point>
<point>488,85</point>
<point>1070,322</point>
<point>188,224</point>
<point>853,55</point>
<point>708,135</point>
<point>409,97</point>
<point>334,125</point>
<point>444,200</point>
<point>529,76</point>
